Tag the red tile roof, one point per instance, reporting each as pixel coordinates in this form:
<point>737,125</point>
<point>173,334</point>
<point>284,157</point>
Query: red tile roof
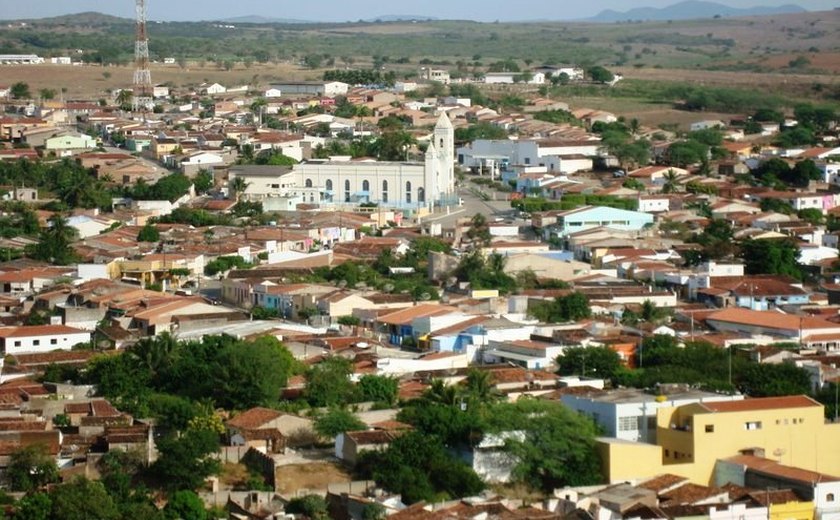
<point>254,418</point>
<point>38,330</point>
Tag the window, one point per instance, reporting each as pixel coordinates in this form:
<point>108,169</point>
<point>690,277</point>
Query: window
<point>752,425</point>
<point>710,428</point>
<point>365,185</point>
<point>17,343</point>
<point>275,186</point>
<point>307,183</point>
<point>347,191</point>
<point>36,342</point>
<point>384,191</point>
<point>421,195</point>
<point>408,192</point>
<point>829,497</point>
<point>53,341</point>
<point>329,184</point>
<point>626,424</point>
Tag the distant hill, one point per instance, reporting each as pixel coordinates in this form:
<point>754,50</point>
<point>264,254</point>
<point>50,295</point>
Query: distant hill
<point>689,10</point>
<point>88,18</point>
<point>257,19</point>
<point>402,18</point>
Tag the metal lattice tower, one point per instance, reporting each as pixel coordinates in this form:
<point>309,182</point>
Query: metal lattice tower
<point>142,75</point>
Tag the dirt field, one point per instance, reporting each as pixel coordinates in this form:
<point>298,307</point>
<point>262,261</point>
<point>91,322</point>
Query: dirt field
<point>311,475</point>
<point>90,81</point>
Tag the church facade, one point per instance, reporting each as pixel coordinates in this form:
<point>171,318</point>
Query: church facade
<point>401,185</point>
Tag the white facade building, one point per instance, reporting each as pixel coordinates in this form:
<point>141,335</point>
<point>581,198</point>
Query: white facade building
<point>406,185</point>
<point>37,339</point>
<point>630,414</point>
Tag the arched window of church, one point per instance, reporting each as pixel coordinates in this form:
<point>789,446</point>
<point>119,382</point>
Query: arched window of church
<point>384,191</point>
<point>308,183</point>
<point>347,191</point>
<point>329,184</point>
<point>365,185</point>
<point>408,191</point>
<point>421,195</point>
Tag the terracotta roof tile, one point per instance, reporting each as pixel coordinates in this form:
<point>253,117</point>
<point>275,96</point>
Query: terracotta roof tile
<point>254,418</point>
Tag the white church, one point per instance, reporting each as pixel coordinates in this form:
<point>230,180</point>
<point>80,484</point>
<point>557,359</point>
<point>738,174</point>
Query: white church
<point>401,185</point>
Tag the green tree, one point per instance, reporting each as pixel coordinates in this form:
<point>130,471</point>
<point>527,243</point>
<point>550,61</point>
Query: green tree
<point>34,506</point>
<point>600,362</point>
<point>185,505</point>
<point>558,449</point>
<point>337,420</point>
<point>31,468</point>
<point>479,385</point>
<point>186,461</point>
<point>328,383</point>
<point>83,499</point>
<point>600,75</point>
<point>148,233</point>
<point>672,184</point>
<point>418,467</point>
<point>771,257</point>
<point>379,389</point>
<point>479,229</point>
<point>20,90</point>
<point>572,307</point>
<point>313,507</point>
<point>203,181</point>
<point>54,244</point>
<point>47,94</point>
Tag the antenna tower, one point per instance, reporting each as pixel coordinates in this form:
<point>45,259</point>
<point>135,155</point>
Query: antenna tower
<point>142,75</point>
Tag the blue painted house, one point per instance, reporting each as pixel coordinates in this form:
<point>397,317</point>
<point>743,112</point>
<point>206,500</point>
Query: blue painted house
<point>590,217</point>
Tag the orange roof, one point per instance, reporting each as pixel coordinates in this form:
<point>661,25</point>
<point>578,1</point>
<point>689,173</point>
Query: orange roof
<point>405,316</point>
<point>763,403</point>
<point>772,467</point>
<point>254,418</point>
<point>38,330</point>
<point>771,320</point>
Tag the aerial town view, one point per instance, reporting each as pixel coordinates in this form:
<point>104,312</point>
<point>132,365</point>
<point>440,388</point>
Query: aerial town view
<point>474,260</point>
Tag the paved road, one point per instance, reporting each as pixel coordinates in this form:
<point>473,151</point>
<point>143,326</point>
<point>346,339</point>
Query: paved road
<point>491,209</point>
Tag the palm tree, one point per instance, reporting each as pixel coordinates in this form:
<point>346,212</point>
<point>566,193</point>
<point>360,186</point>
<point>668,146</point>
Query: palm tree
<point>441,393</point>
<point>480,386</point>
<point>238,186</point>
<point>155,353</point>
<point>671,182</point>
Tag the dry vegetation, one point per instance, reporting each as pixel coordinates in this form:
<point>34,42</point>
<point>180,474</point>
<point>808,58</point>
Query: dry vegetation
<point>309,476</point>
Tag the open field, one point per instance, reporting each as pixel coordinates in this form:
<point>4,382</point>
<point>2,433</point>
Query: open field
<point>292,478</point>
<point>768,43</point>
<point>90,81</point>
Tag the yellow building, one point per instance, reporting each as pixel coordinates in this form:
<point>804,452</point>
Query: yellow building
<point>691,438</point>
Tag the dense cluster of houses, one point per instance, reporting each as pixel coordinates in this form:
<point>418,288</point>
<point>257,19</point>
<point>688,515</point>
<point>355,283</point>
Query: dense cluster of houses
<point>674,453</point>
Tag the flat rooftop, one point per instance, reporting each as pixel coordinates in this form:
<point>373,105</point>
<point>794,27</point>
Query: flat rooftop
<point>633,395</point>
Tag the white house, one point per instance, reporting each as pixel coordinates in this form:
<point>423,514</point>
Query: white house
<point>630,414</point>
<point>211,89</point>
<point>36,339</point>
<point>707,124</point>
<point>273,93</point>
<point>439,75</point>
<point>654,203</point>
<point>536,78</point>
<point>313,88</point>
<point>160,91</point>
<point>405,86</point>
<point>88,226</point>
<point>200,160</point>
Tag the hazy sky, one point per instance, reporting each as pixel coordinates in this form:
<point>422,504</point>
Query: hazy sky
<point>342,10</point>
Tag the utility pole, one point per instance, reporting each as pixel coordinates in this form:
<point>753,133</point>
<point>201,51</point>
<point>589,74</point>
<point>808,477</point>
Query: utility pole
<point>142,98</point>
